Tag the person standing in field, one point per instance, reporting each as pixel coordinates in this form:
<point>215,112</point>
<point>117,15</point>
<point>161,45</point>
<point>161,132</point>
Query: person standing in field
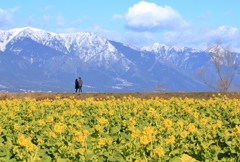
<point>80,83</point>
<point>76,85</point>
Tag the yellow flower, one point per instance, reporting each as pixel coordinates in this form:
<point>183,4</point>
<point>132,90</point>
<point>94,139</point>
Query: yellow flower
<point>22,140</point>
<point>15,150</point>
<point>16,109</point>
<point>144,140</point>
<point>219,124</point>
<point>148,131</point>
<point>26,128</point>
<point>70,121</point>
<point>102,121</point>
<point>131,128</point>
<point>38,159</point>
<point>237,130</point>
<point>79,137</point>
<point>102,141</point>
<point>41,122</point>
<point>59,128</point>
<point>186,158</point>
<point>16,127</point>
<point>167,123</point>
<point>226,133</point>
<point>203,121</point>
<point>159,151</point>
<point>11,116</point>
<point>180,123</point>
<point>79,126</point>
<point>135,133</point>
<point>52,134</point>
<point>191,128</point>
<point>184,134</point>
<point>25,142</point>
<point>85,132</point>
<point>49,119</point>
<point>40,141</point>
<point>132,121</point>
<point>80,151</point>
<point>98,127</point>
<point>109,141</point>
<point>195,115</point>
<point>1,130</point>
<point>171,140</point>
<point>111,112</point>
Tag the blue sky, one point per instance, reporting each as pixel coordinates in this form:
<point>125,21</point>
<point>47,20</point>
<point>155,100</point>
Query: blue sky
<point>192,23</point>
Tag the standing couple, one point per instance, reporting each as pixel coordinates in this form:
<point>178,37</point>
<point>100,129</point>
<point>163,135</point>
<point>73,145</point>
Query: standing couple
<point>78,84</point>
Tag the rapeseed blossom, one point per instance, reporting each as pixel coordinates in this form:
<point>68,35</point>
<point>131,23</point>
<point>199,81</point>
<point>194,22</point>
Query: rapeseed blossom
<point>159,151</point>
<point>129,129</point>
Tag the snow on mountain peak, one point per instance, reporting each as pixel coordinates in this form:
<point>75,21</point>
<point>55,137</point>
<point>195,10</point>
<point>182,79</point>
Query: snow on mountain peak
<point>38,35</point>
<point>131,46</point>
<point>70,41</point>
<point>7,35</point>
<point>155,47</point>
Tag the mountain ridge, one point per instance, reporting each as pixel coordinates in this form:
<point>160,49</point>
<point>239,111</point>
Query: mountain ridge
<point>104,65</point>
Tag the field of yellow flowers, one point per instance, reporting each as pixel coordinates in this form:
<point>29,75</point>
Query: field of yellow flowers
<point>126,129</point>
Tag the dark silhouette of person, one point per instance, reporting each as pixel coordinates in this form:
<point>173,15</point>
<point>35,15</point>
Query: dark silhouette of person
<point>76,85</point>
<point>80,83</point>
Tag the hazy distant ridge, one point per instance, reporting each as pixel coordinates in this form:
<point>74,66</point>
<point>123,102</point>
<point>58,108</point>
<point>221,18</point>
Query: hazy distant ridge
<point>34,59</point>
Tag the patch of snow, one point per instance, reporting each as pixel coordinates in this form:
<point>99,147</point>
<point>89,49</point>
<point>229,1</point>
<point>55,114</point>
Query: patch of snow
<point>124,82</point>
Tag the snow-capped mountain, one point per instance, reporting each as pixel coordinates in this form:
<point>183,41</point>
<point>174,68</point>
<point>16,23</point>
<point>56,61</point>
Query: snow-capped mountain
<point>37,60</point>
<point>184,58</point>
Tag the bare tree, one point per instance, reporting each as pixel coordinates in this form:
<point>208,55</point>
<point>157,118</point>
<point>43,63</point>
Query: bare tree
<point>225,63</point>
<point>160,88</point>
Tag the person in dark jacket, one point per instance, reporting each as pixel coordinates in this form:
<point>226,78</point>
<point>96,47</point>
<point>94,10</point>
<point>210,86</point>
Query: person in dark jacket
<point>76,85</point>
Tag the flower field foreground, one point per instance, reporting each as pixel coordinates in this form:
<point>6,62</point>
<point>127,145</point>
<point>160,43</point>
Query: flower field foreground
<point>128,129</point>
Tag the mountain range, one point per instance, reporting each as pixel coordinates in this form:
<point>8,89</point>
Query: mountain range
<point>36,60</point>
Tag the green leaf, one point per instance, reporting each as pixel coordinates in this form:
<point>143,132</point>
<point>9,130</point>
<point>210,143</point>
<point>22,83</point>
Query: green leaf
<point>112,159</point>
<point>175,159</point>
<point>89,155</point>
<point>117,157</point>
<point>175,152</point>
<point>114,130</point>
<point>126,136</point>
<point>236,121</point>
<point>1,140</point>
<point>12,160</point>
<point>3,152</point>
<point>46,158</point>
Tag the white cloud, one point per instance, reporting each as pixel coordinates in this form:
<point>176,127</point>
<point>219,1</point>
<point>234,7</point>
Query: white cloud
<point>67,30</point>
<point>206,15</point>
<point>227,35</point>
<point>47,8</point>
<point>108,34</point>
<point>201,36</point>
<point>117,17</point>
<point>140,38</point>
<point>146,16</point>
<point>5,18</point>
<point>225,31</point>
<point>60,20</point>
<point>29,22</point>
<point>193,36</point>
<point>150,23</point>
<point>46,17</point>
